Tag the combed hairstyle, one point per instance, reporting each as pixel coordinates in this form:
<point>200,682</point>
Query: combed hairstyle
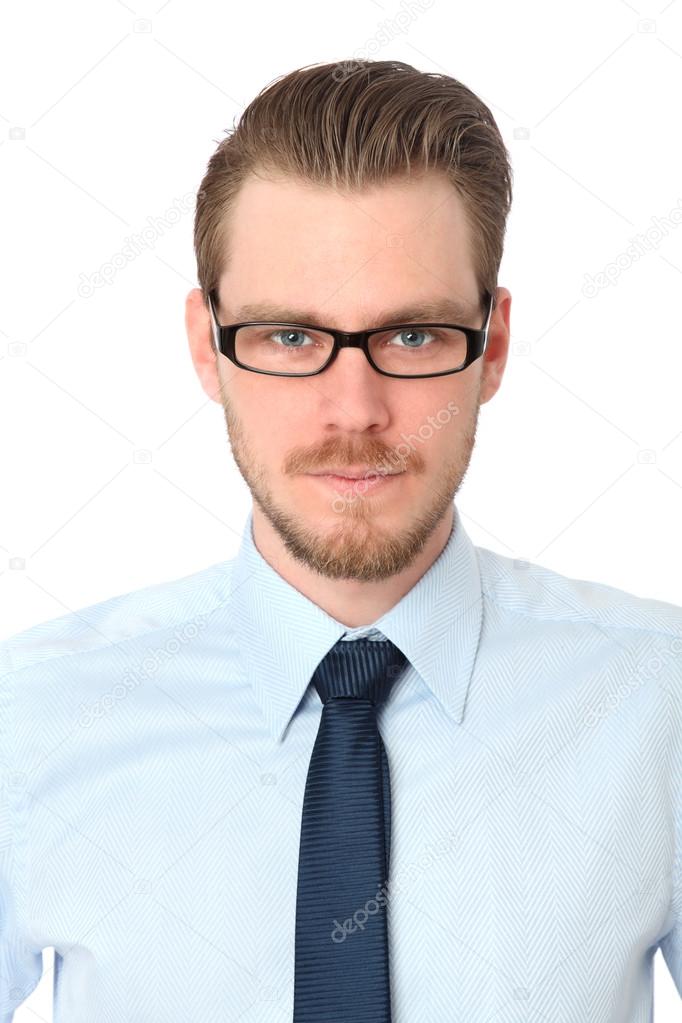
<point>351,125</point>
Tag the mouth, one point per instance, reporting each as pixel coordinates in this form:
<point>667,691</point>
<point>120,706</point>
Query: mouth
<point>355,474</point>
<point>358,484</point>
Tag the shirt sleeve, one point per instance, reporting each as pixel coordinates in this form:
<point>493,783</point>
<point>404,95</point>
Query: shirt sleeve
<point>671,943</point>
<point>20,965</point>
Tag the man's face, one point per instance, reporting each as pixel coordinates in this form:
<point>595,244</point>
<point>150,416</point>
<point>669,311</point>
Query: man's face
<point>350,260</point>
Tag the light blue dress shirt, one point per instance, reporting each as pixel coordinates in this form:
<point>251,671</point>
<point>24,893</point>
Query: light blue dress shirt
<point>154,749</point>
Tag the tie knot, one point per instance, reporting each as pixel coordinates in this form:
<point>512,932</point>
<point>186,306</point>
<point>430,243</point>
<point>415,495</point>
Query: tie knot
<point>360,668</point>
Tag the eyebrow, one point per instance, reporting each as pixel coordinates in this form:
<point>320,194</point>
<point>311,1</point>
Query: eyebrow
<point>434,311</point>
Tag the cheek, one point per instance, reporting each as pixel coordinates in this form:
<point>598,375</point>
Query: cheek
<point>271,420</point>
<point>255,399</point>
<point>436,427</point>
<point>441,415</point>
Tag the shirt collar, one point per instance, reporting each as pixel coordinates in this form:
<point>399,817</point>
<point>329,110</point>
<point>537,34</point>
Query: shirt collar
<point>283,635</point>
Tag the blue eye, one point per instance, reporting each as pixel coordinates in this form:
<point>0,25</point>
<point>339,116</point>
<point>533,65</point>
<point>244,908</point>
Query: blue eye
<point>289,333</point>
<point>412,331</point>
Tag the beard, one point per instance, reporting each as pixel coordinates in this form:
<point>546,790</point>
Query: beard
<point>356,545</point>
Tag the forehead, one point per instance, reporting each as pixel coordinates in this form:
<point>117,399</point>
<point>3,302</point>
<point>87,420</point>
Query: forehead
<point>339,258</point>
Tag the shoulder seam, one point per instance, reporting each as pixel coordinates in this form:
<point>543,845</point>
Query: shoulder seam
<point>588,619</point>
<point>576,616</point>
<point>14,670</point>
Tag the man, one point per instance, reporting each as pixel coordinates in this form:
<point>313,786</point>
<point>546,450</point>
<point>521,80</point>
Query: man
<point>374,772</point>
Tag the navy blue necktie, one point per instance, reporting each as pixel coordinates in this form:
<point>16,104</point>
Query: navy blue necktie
<point>341,970</point>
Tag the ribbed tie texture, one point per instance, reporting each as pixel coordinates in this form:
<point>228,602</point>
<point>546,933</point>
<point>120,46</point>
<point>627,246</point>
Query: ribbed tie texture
<point>341,969</point>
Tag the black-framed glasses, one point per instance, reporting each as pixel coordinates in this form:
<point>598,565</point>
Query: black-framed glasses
<point>272,347</point>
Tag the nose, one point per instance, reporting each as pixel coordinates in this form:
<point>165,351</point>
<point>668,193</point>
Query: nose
<point>353,396</point>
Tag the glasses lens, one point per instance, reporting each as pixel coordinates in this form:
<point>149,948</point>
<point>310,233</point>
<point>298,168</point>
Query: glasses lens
<point>410,350</point>
<point>282,348</point>
<point>418,349</point>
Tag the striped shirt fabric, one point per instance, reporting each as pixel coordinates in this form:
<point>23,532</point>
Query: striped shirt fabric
<point>154,749</point>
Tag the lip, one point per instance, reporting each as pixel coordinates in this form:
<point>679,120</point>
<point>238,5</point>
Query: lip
<point>360,484</point>
<point>354,474</point>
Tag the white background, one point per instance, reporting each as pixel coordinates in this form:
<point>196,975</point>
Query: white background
<point>116,472</point>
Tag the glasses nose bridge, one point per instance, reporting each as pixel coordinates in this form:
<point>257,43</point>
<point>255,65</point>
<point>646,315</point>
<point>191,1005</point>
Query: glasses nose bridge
<point>350,338</point>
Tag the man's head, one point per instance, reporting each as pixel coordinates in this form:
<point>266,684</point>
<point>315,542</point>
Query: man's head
<point>345,194</point>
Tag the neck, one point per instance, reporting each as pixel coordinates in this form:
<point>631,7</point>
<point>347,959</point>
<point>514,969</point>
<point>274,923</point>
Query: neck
<point>349,601</point>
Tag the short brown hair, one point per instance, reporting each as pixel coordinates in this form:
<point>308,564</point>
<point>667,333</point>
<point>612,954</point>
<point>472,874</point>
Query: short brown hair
<point>353,124</point>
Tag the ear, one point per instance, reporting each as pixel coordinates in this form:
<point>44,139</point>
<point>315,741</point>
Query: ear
<point>497,348</point>
<point>199,335</point>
